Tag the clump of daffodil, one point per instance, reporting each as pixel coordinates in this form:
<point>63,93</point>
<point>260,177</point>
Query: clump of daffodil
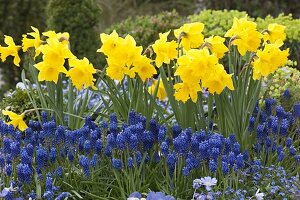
<point>165,51</point>
<point>190,35</point>
<point>16,120</point>
<point>217,46</point>
<point>125,58</point>
<point>269,59</point>
<point>54,55</point>
<point>81,73</point>
<point>11,50</point>
<point>274,32</point>
<point>34,42</point>
<point>244,35</point>
<point>200,66</point>
<point>161,92</point>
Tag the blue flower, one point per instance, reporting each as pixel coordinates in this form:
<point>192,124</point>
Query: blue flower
<point>292,151</point>
<point>225,168</point>
<point>161,134</point>
<point>58,171</point>
<point>8,169</point>
<point>213,166</point>
<point>84,163</point>
<point>113,118</point>
<point>164,148</point>
<point>98,146</point>
<point>296,110</point>
<point>280,113</point>
<point>251,124</point>
<point>130,162</point>
<point>94,161</point>
<point>286,94</point>
<point>176,130</point>
<point>41,157</point>
<point>62,196</point>
<point>280,156</point>
<point>52,154</point>
<point>87,146</point>
<point>284,127</point>
<point>136,195</point>
<point>116,163</point>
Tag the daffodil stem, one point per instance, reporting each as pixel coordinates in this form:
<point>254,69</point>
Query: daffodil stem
<point>47,109</point>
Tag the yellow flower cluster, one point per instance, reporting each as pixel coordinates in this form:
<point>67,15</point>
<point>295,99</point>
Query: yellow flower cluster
<point>125,58</point>
<point>55,51</point>
<point>199,68</point>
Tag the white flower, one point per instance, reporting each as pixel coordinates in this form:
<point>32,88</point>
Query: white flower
<point>208,182</point>
<point>259,196</point>
<point>21,86</point>
<point>133,198</point>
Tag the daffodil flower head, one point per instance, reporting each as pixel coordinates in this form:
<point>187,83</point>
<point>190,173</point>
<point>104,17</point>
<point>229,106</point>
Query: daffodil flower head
<point>274,32</point>
<point>144,68</point>
<point>165,51</point>
<point>109,43</point>
<point>161,92</point>
<point>218,80</point>
<point>269,59</point>
<point>81,73</point>
<point>11,50</point>
<point>190,35</point>
<point>16,120</point>
<point>246,37</point>
<point>35,41</point>
<point>217,46</point>
<point>54,55</point>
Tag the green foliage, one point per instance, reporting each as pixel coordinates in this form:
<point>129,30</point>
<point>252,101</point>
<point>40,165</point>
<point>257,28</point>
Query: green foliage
<point>284,78</point>
<point>145,29</point>
<point>16,18</point>
<point>217,22</point>
<point>255,8</point>
<point>80,19</point>
<point>18,101</point>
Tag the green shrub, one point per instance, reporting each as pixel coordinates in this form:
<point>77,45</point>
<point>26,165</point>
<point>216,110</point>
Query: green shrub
<point>18,101</point>
<point>80,19</point>
<point>16,18</point>
<point>283,79</point>
<point>217,22</point>
<point>145,29</point>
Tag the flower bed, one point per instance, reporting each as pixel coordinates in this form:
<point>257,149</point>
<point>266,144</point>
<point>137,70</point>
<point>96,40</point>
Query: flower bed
<point>178,120</point>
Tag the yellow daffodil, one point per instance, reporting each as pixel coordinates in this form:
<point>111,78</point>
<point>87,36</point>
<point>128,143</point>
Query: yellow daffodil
<point>11,50</point>
<point>218,80</point>
<point>275,32</point>
<point>185,91</point>
<point>32,42</point>
<point>161,92</point>
<point>61,37</point>
<point>144,68</point>
<point>165,51</point>
<point>217,46</point>
<point>81,73</point>
<point>54,55</point>
<point>109,43</point>
<point>16,120</point>
<point>195,65</point>
<point>124,57</point>
<point>190,35</point>
<point>245,35</point>
<point>269,59</point>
